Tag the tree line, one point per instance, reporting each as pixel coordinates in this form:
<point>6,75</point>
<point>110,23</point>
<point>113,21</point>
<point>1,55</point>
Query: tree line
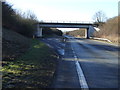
<point>23,23</point>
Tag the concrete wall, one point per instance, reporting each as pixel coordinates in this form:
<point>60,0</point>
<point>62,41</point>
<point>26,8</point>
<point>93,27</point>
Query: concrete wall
<point>92,30</point>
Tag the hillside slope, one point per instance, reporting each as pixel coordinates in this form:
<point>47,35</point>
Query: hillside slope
<point>110,30</point>
<point>27,63</point>
<point>13,44</point>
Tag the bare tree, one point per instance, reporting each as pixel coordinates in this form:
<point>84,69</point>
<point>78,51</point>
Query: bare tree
<point>28,14</point>
<point>99,17</point>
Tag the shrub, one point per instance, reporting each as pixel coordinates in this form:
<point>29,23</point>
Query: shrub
<point>23,24</point>
<point>109,30</point>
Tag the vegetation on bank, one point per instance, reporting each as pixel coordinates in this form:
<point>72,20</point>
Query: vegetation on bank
<point>22,23</point>
<point>26,62</point>
<point>32,69</point>
<point>13,44</point>
<point>110,30</point>
<point>18,22</point>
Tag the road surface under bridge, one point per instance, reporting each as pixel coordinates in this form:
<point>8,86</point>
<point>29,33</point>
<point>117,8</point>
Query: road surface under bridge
<point>89,26</point>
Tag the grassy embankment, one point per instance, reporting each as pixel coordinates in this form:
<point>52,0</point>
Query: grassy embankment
<point>26,63</point>
<point>32,68</point>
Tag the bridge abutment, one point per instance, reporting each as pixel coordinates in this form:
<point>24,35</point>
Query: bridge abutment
<point>87,34</point>
<point>39,31</point>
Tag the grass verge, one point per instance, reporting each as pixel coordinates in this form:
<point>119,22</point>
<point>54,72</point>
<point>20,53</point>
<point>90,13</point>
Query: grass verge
<point>34,69</point>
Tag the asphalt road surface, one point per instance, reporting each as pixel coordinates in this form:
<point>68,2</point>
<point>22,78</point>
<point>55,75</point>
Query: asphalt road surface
<point>98,60</point>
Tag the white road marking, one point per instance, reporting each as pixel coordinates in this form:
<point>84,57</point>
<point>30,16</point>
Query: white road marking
<point>82,80</point>
<point>81,76</point>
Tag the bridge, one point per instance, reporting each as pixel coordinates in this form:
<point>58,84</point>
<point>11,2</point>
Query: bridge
<point>88,25</point>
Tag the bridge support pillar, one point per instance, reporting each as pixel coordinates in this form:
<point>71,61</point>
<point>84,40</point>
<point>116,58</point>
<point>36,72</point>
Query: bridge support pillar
<point>87,33</point>
<point>39,31</point>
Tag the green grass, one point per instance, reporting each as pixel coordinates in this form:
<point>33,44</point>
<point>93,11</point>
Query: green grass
<point>34,69</point>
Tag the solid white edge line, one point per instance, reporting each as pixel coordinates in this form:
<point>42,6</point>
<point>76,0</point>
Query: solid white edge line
<point>82,80</point>
<point>81,76</point>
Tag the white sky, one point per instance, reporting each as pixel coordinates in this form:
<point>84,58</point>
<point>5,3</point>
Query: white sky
<point>67,10</point>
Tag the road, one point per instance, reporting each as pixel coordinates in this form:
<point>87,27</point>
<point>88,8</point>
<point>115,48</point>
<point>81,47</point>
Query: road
<point>98,61</point>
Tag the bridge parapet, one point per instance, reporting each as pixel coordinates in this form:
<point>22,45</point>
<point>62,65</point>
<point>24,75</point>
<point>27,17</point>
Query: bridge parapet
<point>56,21</point>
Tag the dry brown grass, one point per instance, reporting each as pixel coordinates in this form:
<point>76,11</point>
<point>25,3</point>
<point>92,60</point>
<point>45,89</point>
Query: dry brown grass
<point>78,33</point>
<point>113,39</point>
<point>110,30</point>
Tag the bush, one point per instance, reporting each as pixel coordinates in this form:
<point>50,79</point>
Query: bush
<point>23,24</point>
<point>8,15</point>
<point>109,30</point>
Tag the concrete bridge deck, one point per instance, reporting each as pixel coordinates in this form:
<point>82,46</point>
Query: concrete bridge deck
<point>66,25</point>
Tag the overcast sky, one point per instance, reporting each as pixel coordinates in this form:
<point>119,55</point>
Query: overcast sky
<point>67,10</point>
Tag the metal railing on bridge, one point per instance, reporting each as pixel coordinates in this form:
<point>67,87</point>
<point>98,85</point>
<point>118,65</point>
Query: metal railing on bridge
<point>60,21</point>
